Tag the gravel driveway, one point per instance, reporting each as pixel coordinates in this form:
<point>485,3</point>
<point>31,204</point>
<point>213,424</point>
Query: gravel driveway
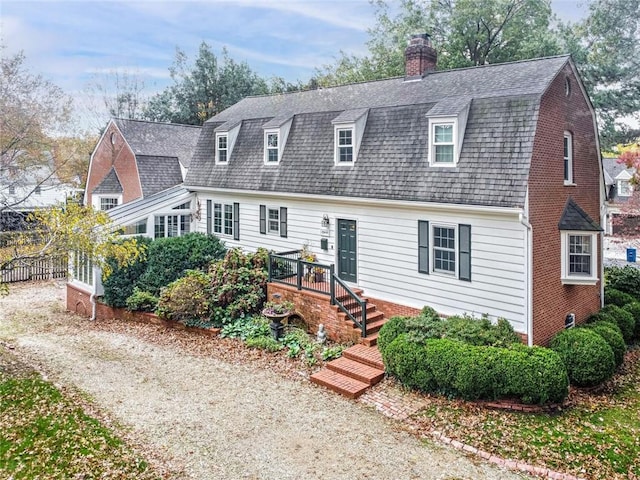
<point>210,417</point>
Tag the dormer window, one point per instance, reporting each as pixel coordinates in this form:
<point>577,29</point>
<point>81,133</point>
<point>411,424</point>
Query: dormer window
<point>221,148</point>
<point>624,188</point>
<point>443,142</point>
<point>568,159</point>
<point>344,145</point>
<point>271,149</point>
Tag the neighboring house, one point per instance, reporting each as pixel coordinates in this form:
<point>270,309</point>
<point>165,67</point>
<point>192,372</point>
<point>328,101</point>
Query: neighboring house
<point>135,159</point>
<point>474,190</point>
<point>623,205</point>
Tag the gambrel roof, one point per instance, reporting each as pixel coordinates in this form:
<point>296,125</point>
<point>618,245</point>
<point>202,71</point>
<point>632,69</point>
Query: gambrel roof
<point>502,100</point>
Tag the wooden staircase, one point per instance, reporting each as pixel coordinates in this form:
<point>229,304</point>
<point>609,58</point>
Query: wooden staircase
<point>360,366</point>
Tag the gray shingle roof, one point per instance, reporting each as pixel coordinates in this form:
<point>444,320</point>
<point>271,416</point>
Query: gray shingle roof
<point>160,139</point>
<point>158,173</point>
<point>109,184</point>
<point>392,161</point>
<point>574,218</point>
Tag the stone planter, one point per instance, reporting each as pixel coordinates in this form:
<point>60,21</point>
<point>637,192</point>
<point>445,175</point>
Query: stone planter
<point>275,323</point>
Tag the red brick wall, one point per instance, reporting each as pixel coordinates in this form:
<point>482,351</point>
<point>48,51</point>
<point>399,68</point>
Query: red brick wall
<point>119,155</point>
<point>547,196</point>
<point>391,309</point>
<point>78,301</point>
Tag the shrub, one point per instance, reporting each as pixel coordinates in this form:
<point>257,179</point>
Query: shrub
<point>247,327</point>
<point>170,258</point>
<point>625,279</point>
<point>534,375</point>
<point>120,284</point>
<point>634,309</point>
<point>239,282</point>
<point>394,327</point>
<point>141,301</point>
<point>623,318</point>
<point>612,335</point>
<point>264,343</point>
<point>587,356</point>
<point>186,298</point>
<point>331,353</point>
<point>616,297</point>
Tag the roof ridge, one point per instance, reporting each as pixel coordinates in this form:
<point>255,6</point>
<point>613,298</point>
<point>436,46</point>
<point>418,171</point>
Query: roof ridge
<point>171,124</point>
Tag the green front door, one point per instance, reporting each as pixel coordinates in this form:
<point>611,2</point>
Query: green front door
<point>347,265</point>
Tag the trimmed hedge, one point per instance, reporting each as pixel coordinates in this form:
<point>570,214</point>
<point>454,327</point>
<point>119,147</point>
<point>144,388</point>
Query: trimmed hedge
<point>587,356</point>
<point>625,279</point>
<point>634,309</point>
<point>616,297</point>
<point>120,284</point>
<point>623,319</point>
<point>141,301</point>
<point>612,335</point>
<point>533,375</point>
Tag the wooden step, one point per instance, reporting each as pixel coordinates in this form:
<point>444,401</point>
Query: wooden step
<point>370,340</point>
<point>357,370</point>
<point>364,354</point>
<point>347,386</point>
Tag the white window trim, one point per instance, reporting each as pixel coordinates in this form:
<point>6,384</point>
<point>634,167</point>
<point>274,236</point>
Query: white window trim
<point>629,192</point>
<point>575,279</point>
<point>176,213</point>
<point>271,231</point>
<point>569,159</point>
<point>336,143</point>
<point>218,136</point>
<point>433,122</point>
<point>268,132</point>
<point>96,200</point>
<point>432,252</point>
<point>223,206</point>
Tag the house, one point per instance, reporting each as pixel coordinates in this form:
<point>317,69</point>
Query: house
<point>474,190</point>
<point>135,159</point>
<point>623,209</point>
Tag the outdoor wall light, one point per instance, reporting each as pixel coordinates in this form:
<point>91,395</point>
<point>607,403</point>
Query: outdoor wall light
<point>325,221</point>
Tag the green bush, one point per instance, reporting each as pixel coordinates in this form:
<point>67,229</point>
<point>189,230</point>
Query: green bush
<point>394,327</point>
<point>587,356</point>
<point>186,298</point>
<point>634,309</point>
<point>623,318</point>
<point>170,258</point>
<point>452,367</point>
<point>246,327</point>
<point>612,335</point>
<point>239,282</point>
<point>264,343</point>
<point>625,279</point>
<point>616,297</point>
<point>141,301</point>
<point>120,284</point>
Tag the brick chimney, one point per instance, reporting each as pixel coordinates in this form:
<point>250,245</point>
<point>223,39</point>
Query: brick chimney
<point>420,57</point>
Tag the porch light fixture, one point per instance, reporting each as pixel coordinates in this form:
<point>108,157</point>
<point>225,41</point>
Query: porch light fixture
<point>325,221</point>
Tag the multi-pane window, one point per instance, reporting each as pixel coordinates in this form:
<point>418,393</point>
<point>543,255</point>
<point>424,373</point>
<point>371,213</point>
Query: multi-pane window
<point>580,252</point>
<point>274,220</point>
<point>139,228</point>
<point>217,218</point>
<point>222,149</point>
<point>38,190</point>
<point>568,158</point>
<point>83,267</point>
<point>345,145</point>
<point>12,189</point>
<point>107,203</point>
<point>443,143</point>
<point>272,147</point>
<point>624,188</point>
<point>444,249</point>
<point>171,225</point>
<point>228,219</point>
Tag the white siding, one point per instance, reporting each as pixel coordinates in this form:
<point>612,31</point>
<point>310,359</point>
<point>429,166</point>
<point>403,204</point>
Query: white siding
<point>387,243</point>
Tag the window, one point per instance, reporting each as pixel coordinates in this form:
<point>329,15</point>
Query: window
<point>447,252</point>
<point>624,188</point>
<point>271,147</point>
<point>83,267</point>
<point>567,86</point>
<point>273,220</point>
<point>171,225</point>
<point>579,258</point>
<point>107,203</point>
<point>442,143</point>
<point>139,228</point>
<point>444,249</point>
<point>12,189</point>
<point>226,219</point>
<point>345,145</point>
<point>568,159</point>
<point>38,190</point>
<point>221,148</point>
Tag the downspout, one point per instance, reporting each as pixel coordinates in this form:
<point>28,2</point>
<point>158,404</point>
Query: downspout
<point>528,278</point>
<point>92,299</point>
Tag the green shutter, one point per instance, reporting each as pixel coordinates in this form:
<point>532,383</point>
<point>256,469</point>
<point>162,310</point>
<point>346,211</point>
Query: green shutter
<point>423,246</point>
<point>464,240</point>
<point>283,222</point>
<point>263,219</point>
<point>236,221</point>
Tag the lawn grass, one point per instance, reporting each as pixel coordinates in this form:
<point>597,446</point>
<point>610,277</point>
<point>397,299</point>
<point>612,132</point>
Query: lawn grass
<point>44,434</point>
<point>596,437</point>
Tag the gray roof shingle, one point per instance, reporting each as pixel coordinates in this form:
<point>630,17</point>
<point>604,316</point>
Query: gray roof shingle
<point>574,218</point>
<point>109,184</point>
<point>160,139</point>
<point>392,162</point>
<point>158,173</point>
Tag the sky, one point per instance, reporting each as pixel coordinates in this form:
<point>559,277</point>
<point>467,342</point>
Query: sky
<point>72,42</point>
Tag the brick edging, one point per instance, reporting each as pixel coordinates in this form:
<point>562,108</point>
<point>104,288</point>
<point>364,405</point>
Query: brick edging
<point>502,462</point>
